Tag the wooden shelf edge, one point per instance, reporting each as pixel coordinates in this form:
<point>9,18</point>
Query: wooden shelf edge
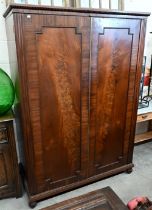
<point>143,137</point>
<point>144,117</point>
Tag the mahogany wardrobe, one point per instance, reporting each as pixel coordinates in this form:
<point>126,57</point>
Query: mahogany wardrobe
<point>76,74</point>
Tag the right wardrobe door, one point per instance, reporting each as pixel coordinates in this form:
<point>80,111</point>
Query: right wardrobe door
<point>115,52</point>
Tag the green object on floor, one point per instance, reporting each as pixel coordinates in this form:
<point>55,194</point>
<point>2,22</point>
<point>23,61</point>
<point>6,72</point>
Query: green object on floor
<point>7,93</point>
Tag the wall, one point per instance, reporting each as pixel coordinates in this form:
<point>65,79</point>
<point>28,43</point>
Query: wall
<point>4,60</point>
<point>143,6</point>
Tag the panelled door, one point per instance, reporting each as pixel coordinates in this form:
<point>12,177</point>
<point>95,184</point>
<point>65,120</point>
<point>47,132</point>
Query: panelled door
<point>113,78</point>
<point>7,176</point>
<point>57,61</point>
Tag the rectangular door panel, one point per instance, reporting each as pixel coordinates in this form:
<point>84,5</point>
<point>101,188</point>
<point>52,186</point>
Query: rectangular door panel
<point>113,74</point>
<point>112,79</point>
<point>9,177</point>
<point>3,175</point>
<point>6,171</point>
<point>59,57</point>
<point>57,62</point>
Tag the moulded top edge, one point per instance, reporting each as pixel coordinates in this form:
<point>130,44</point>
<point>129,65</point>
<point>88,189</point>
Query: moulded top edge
<point>22,7</point>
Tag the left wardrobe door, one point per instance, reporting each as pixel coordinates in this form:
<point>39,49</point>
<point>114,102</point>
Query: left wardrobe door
<point>55,99</point>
